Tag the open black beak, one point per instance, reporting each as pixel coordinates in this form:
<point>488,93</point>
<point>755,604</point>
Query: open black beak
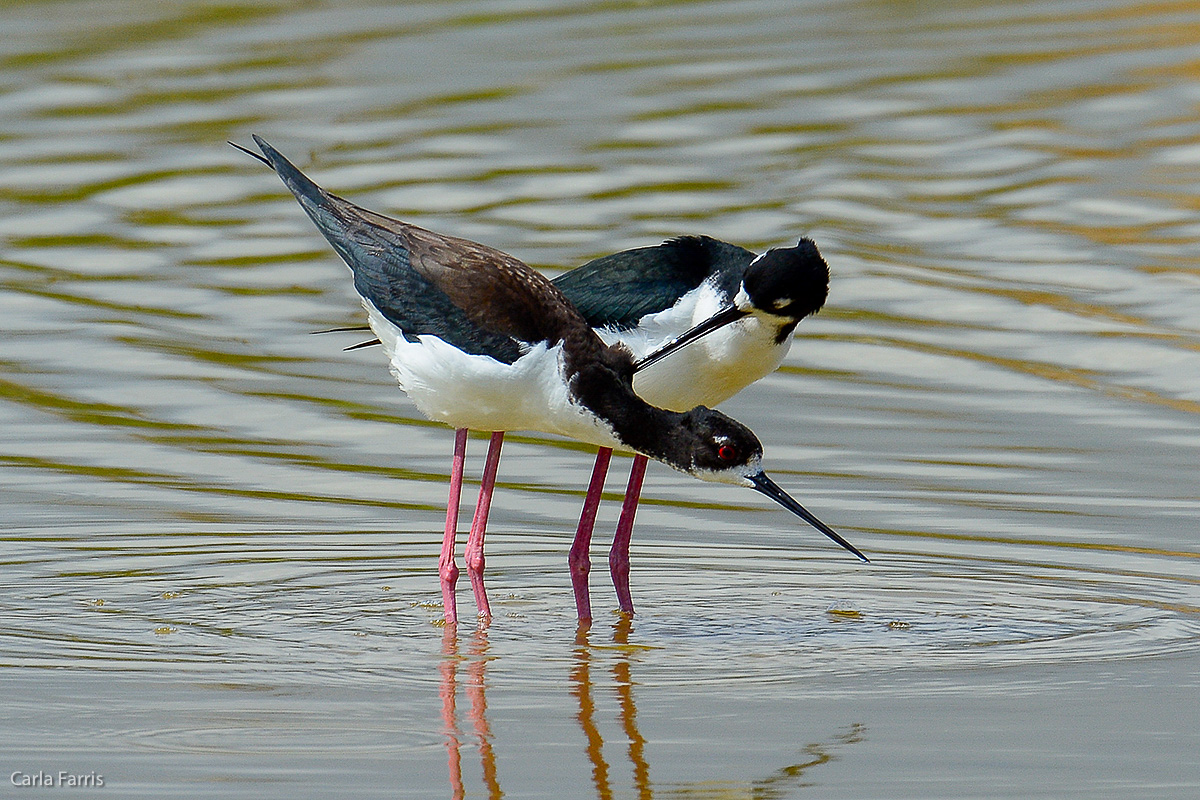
<point>718,320</point>
<point>768,487</point>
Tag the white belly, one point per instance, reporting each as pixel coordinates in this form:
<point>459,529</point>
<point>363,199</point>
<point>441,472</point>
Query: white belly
<point>707,371</point>
<point>483,394</point>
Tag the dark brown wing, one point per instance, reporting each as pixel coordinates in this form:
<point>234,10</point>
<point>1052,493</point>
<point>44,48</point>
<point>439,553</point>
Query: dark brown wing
<point>475,297</point>
<point>495,291</point>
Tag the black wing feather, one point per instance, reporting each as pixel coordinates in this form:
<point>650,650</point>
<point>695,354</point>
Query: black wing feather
<point>383,271</point>
<point>383,274</point>
<point>619,289</point>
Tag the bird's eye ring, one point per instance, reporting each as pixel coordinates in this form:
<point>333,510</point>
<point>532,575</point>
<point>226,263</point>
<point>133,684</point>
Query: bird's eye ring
<point>727,453</point>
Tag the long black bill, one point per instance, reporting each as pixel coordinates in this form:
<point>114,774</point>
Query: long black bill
<point>768,487</point>
<point>718,320</point>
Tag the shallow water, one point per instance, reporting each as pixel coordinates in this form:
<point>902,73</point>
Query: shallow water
<point>220,533</point>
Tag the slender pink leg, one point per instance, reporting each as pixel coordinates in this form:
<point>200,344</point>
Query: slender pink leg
<point>447,569</point>
<point>578,559</point>
<point>474,553</point>
<point>618,557</point>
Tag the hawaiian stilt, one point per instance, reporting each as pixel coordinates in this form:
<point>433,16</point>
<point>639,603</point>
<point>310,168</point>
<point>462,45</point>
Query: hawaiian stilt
<point>481,341</point>
<point>654,301</point>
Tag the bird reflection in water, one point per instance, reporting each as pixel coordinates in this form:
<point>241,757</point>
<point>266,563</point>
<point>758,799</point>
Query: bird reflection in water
<point>581,688</point>
<point>780,783</point>
<point>476,660</point>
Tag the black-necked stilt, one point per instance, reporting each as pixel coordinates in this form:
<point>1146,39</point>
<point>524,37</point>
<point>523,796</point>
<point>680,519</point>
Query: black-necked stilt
<point>744,306</point>
<point>654,301</point>
<point>481,341</point>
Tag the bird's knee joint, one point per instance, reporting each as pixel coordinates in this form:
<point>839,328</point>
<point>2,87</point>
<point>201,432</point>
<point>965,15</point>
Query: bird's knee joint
<point>580,565</point>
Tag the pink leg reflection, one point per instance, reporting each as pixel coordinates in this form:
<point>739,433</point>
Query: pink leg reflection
<point>578,559</point>
<point>475,690</point>
<point>623,677</point>
<point>581,687</point>
<point>449,689</point>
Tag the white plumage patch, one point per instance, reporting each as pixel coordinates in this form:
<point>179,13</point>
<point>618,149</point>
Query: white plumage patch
<point>739,476</point>
<point>713,368</point>
<point>483,394</point>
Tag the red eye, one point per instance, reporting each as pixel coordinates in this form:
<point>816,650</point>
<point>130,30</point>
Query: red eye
<point>727,453</point>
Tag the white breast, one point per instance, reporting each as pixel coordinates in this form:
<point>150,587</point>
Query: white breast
<point>483,394</point>
<point>707,371</point>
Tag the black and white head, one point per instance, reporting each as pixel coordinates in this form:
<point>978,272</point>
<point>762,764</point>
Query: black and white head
<point>717,448</point>
<point>780,287</point>
<point>790,282</point>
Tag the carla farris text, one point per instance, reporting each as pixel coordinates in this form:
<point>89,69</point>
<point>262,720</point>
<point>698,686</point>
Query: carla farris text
<point>92,780</point>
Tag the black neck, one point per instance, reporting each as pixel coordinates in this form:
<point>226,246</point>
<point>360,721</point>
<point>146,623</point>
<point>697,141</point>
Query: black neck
<point>601,377</point>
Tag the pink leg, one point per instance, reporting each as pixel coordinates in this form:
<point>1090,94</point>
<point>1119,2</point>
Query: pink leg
<point>447,569</point>
<point>618,557</point>
<point>474,552</point>
<point>578,559</point>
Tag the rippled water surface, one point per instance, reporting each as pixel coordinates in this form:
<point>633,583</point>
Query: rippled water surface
<point>219,534</point>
